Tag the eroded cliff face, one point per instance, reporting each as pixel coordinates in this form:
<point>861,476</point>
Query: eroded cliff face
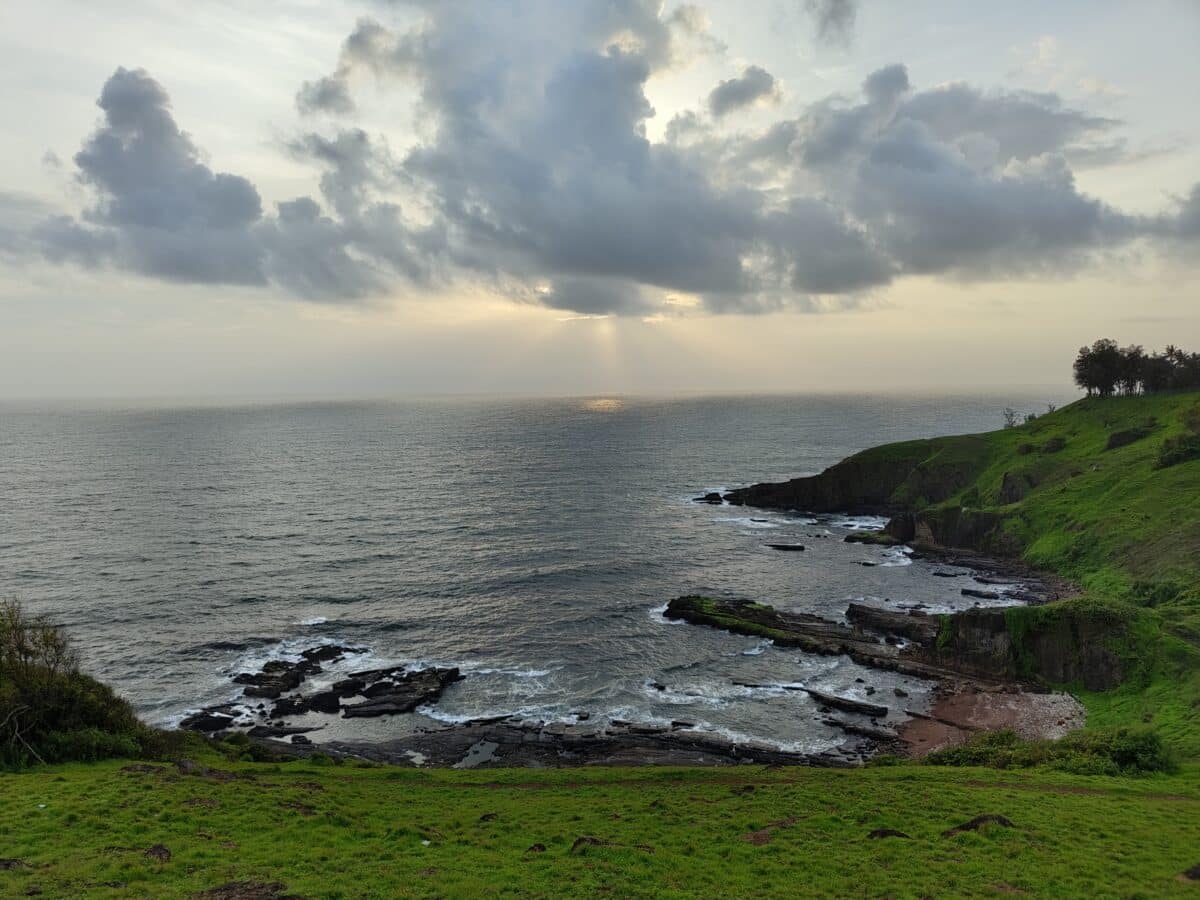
<point>883,481</point>
<point>1061,647</point>
<point>956,528</point>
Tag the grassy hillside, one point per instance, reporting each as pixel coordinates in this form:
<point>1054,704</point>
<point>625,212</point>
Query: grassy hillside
<point>341,831</point>
<point>1105,491</point>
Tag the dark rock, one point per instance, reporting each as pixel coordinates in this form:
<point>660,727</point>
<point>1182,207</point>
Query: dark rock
<point>206,722</point>
<point>278,731</point>
<point>787,548</point>
<point>537,848</point>
<point>978,822</point>
<point>1192,874</point>
<point>914,626</point>
<point>348,687</point>
<point>328,653</point>
<point>1015,486</point>
<point>325,702</point>
<point>880,833</point>
<point>402,695</point>
<point>712,497</point>
<point>900,692</point>
<point>290,706</point>
<point>941,574</point>
<point>1054,445</point>
<point>981,595</point>
<point>9,864</point>
<point>300,739</point>
<point>846,704</point>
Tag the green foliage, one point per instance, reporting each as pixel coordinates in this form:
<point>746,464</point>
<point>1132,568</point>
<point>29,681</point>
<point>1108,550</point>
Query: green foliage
<point>49,710</point>
<point>1119,751</point>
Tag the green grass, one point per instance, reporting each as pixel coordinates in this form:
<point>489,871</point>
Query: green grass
<point>343,831</point>
<point>1118,522</point>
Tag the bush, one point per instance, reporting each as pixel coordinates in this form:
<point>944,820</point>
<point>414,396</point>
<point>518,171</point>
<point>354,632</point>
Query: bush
<point>49,710</point>
<point>1054,445</point>
<point>1180,449</point>
<point>1120,751</point>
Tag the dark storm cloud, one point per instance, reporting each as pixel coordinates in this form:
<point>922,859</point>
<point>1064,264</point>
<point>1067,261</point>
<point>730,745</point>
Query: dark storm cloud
<point>534,168</point>
<point>159,210</point>
<point>834,19</point>
<point>753,85</point>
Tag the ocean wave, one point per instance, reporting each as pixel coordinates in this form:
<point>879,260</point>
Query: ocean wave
<point>896,557</point>
<point>859,523</point>
<point>749,522</point>
<point>658,614</point>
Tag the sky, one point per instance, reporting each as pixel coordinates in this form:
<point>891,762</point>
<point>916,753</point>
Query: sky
<point>391,197</point>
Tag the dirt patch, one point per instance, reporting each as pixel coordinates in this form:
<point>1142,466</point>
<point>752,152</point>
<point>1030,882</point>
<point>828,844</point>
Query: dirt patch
<point>201,803</point>
<point>961,710</point>
<point>159,853</point>
<point>302,808</point>
<point>881,833</point>
<point>143,769</point>
<point>978,822</point>
<point>585,841</point>
<point>247,890</point>
<point>763,835</point>
<point>1074,789</point>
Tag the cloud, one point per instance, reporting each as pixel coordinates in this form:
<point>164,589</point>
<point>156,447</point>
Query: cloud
<point>159,210</point>
<point>834,19</point>
<point>754,85</point>
<point>330,94</point>
<point>533,173</point>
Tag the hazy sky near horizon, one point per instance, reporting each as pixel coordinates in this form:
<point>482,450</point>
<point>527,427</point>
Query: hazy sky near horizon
<point>337,198</point>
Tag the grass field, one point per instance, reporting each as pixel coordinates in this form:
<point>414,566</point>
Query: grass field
<point>345,831</point>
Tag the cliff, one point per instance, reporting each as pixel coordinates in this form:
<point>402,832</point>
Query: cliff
<point>1098,492</point>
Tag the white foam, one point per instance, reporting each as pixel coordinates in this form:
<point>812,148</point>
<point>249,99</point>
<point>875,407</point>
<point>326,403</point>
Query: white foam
<point>760,648</point>
<point>897,556</point>
<point>315,620</point>
<point>748,521</point>
<point>658,614</point>
<point>860,523</point>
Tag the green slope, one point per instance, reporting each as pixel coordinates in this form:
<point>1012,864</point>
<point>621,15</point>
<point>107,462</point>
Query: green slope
<point>342,831</point>
<point>1081,492</point>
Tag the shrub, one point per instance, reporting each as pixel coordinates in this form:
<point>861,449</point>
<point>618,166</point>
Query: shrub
<point>49,710</point>
<point>1119,439</point>
<point>1120,751</point>
<point>1180,449</point>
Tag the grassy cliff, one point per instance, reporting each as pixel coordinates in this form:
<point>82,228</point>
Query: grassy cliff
<point>1105,492</point>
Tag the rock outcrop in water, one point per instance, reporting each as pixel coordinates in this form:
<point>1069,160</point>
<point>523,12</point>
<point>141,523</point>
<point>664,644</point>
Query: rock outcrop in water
<point>979,644</point>
<point>384,692</point>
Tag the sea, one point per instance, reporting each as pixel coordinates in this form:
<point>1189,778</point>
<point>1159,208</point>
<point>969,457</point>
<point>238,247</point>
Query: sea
<point>531,542</point>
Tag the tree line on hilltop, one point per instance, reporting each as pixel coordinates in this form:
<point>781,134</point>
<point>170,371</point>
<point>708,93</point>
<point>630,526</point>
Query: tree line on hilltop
<point>1105,369</point>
